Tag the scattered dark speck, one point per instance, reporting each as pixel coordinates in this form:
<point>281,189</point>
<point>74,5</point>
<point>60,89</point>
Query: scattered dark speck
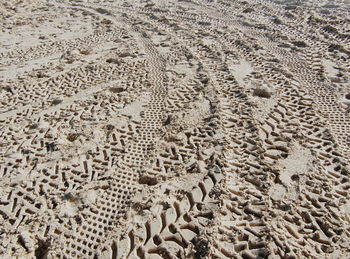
<point>201,247</point>
<point>56,101</point>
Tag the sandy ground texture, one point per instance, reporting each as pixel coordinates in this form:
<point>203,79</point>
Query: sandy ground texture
<point>174,129</point>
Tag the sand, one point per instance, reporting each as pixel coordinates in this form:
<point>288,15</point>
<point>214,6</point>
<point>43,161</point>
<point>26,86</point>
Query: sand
<point>174,129</point>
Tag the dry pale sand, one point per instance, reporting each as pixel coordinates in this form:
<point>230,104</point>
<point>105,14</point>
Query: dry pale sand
<point>174,129</point>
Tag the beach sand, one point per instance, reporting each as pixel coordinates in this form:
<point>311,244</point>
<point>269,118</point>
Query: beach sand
<point>174,129</point>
